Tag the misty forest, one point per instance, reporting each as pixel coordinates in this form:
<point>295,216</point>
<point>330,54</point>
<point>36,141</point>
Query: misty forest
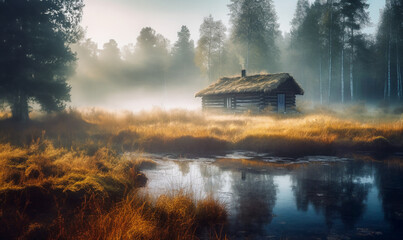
<point>326,52</point>
<point>239,131</point>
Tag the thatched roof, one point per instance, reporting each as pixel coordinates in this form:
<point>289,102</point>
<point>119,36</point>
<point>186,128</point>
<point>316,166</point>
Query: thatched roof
<point>250,84</point>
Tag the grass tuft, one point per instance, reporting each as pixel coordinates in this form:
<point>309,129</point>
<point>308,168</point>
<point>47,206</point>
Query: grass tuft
<point>54,193</point>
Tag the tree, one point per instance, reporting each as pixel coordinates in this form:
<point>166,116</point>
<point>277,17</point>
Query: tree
<point>306,47</point>
<point>299,15</point>
<point>110,52</point>
<point>152,51</point>
<point>356,15</point>
<point>210,45</point>
<point>389,41</point>
<point>151,47</point>
<point>183,55</point>
<point>36,58</point>
<point>183,48</point>
<point>254,32</point>
<point>342,4</point>
<point>331,23</point>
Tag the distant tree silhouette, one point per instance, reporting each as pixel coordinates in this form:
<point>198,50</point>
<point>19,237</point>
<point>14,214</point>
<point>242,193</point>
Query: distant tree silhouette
<point>183,53</point>
<point>152,51</point>
<point>255,30</point>
<point>36,59</point>
<point>210,45</point>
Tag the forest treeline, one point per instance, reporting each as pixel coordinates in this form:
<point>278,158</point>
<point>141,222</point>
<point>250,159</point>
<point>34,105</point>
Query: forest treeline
<point>326,51</point>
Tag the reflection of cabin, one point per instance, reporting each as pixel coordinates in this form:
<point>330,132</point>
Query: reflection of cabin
<point>257,93</point>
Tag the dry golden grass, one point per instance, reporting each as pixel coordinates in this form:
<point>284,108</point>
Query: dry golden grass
<point>39,183</point>
<point>63,175</point>
<point>54,193</point>
<point>317,133</point>
<point>321,132</point>
<point>171,216</point>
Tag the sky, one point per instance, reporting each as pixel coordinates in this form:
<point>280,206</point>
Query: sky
<point>122,20</point>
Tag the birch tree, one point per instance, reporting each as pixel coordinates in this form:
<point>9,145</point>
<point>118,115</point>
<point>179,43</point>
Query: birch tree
<point>254,32</point>
<point>330,49</point>
<point>210,45</point>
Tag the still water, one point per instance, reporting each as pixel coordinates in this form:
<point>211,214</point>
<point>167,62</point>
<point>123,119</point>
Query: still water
<point>307,198</point>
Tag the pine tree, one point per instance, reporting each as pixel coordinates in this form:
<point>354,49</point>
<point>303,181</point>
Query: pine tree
<point>307,45</point>
<point>183,54</point>
<point>299,15</point>
<point>36,58</point>
<point>152,50</point>
<point>356,16</point>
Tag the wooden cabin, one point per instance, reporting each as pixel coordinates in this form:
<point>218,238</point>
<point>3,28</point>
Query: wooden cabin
<point>257,93</point>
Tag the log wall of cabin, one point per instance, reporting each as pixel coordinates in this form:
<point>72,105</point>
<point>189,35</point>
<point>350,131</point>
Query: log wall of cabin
<point>247,102</point>
<point>289,101</point>
<point>213,102</point>
<point>250,102</point>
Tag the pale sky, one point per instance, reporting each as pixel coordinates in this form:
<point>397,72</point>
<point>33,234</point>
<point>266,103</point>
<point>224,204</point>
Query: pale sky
<point>122,20</point>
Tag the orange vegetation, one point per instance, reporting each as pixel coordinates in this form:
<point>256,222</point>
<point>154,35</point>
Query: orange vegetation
<point>64,175</point>
<point>195,132</point>
<point>55,193</point>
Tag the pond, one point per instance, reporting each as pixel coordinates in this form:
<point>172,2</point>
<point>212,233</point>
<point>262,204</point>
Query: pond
<point>314,197</point>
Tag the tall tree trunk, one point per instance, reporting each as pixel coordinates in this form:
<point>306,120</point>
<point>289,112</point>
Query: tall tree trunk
<point>400,81</point>
<point>352,66</point>
<point>330,50</point>
<point>385,88</point>
<point>219,60</point>
<point>389,52</point>
<point>209,61</point>
<point>247,55</point>
<point>19,107</point>
<point>320,80</point>
<point>342,64</point>
<point>398,77</point>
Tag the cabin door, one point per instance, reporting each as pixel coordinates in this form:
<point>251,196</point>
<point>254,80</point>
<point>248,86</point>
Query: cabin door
<point>228,103</point>
<point>281,103</point>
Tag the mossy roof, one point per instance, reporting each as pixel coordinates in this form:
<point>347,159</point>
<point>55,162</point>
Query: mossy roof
<point>265,83</point>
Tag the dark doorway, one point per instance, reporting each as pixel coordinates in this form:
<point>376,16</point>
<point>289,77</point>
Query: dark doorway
<point>281,103</point>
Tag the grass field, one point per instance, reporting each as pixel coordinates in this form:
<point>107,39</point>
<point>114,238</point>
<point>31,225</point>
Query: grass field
<point>55,193</point>
<point>320,132</point>
<point>64,176</point>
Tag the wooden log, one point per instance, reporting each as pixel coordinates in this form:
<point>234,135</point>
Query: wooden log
<point>214,100</point>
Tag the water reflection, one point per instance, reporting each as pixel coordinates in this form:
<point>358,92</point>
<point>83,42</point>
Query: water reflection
<point>389,180</point>
<point>254,200</point>
<point>333,190</point>
<point>317,199</point>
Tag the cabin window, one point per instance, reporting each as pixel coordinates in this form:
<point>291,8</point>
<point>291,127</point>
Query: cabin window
<point>281,103</point>
<point>228,102</point>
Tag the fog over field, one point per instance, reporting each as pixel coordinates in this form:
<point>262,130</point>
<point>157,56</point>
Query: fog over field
<point>135,58</point>
<point>297,132</point>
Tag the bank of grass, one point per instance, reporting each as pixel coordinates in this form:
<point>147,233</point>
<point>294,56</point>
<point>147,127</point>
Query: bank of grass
<point>58,193</point>
<point>176,215</point>
<point>64,175</point>
<point>322,131</point>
